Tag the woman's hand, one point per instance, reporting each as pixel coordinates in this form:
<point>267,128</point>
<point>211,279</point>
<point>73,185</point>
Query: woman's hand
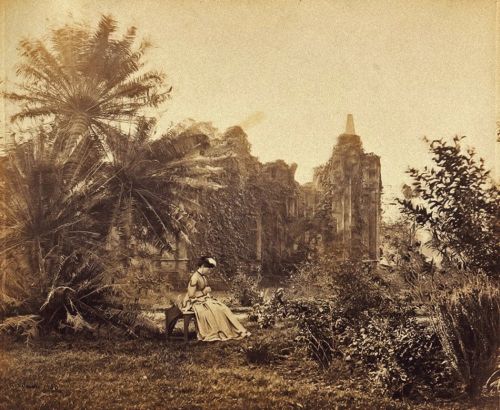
<point>207,290</point>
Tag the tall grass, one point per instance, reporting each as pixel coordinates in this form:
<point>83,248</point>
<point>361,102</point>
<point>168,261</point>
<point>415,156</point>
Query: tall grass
<point>467,321</point>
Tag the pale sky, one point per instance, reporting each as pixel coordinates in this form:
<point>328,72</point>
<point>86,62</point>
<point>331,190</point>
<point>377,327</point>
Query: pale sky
<point>291,71</point>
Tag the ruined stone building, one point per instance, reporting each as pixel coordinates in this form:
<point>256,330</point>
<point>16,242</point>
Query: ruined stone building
<point>264,220</point>
<point>249,225</point>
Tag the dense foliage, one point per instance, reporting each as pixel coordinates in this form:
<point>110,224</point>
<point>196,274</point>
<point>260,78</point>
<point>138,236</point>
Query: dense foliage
<point>247,225</point>
<point>81,191</point>
<point>390,348</point>
<point>245,289</point>
<point>350,318</point>
<point>354,285</point>
<point>457,201</point>
<point>402,251</point>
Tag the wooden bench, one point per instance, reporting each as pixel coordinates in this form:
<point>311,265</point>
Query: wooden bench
<point>172,315</point>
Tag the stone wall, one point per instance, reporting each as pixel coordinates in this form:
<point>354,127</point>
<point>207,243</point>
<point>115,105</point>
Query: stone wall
<point>250,225</point>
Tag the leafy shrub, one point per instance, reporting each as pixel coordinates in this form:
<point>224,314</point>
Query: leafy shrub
<point>245,289</point>
<point>349,283</point>
<point>312,318</point>
<point>401,356</point>
<point>458,201</point>
<point>397,353</point>
<point>402,251</point>
<point>266,313</point>
<point>258,353</point>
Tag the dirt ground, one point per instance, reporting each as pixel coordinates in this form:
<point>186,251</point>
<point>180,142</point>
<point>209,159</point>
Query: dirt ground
<point>89,373</point>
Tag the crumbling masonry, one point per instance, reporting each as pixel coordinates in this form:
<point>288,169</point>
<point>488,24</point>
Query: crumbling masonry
<point>344,200</point>
<point>265,220</point>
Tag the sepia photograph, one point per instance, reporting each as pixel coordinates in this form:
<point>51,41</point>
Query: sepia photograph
<point>249,204</point>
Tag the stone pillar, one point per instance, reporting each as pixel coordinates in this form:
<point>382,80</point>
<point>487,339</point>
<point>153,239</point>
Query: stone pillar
<point>356,179</point>
<point>373,248</point>
<point>258,237</point>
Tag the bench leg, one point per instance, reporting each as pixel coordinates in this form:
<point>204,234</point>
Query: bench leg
<point>171,316</point>
<point>170,327</point>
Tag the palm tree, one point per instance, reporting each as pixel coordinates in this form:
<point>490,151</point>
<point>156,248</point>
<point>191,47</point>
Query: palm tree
<point>57,215</point>
<point>84,174</point>
<point>154,183</point>
<point>50,228</point>
<point>88,83</point>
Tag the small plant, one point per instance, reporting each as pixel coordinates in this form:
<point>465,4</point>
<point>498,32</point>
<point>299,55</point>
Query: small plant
<point>258,353</point>
<point>245,289</point>
<point>266,313</point>
<point>272,346</point>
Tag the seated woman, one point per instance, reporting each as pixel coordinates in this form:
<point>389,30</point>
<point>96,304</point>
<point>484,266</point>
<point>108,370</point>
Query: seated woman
<point>214,319</point>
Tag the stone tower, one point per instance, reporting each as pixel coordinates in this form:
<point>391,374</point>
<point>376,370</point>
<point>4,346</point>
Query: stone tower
<point>353,182</point>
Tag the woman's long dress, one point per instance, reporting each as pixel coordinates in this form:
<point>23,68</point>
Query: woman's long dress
<point>214,319</point>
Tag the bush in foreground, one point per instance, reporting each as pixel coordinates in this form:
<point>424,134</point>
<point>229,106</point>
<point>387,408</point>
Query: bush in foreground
<point>467,321</point>
<point>389,346</point>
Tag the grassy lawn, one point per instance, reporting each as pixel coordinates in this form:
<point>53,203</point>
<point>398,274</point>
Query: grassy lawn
<point>77,373</point>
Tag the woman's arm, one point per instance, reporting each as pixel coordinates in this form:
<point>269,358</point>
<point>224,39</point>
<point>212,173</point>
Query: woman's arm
<point>191,290</point>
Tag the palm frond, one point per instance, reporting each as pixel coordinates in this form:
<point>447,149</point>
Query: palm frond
<point>176,147</point>
<point>24,325</point>
<point>84,77</point>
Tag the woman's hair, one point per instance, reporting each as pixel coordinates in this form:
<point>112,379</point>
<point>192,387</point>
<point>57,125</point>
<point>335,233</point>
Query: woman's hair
<point>206,262</point>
